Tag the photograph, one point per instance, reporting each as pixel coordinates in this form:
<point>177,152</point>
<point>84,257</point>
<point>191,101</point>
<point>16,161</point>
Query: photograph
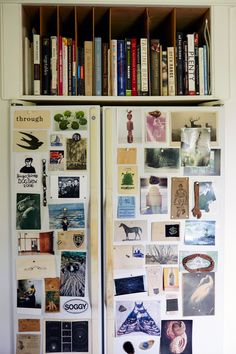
<point>165,231</point>
<point>70,120</point>
<point>161,254</point>
<point>179,198</point>
<point>29,293</point>
<point>127,179</point>
<point>30,243</point>
<point>56,160</point>
<point>76,154</point>
<point>128,257</point>
<point>129,285</point>
<point>126,207</point>
<point>68,186</point>
<point>66,216</point>
<point>138,317</point>
<point>129,125</point>
<point>199,232</point>
<point>161,159</point>
<point>52,294</point>
<point>28,211</point>
<point>73,274</point>
<point>130,230</point>
<point>176,337</point>
<point>194,262</point>
<point>207,197</point>
<point>193,119</point>
<point>213,168</point>
<point>198,294</point>
<point>153,195</point>
<point>155,124</point>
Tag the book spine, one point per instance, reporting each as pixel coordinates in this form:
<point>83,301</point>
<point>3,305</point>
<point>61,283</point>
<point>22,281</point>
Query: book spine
<point>36,60</point>
<point>82,72</point>
<point>164,68</point>
<point>144,66</point>
<point>54,78</point>
<point>69,44</point>
<point>185,45</point>
<point>105,69</point>
<point>114,67</point>
<point>46,66</point>
<point>128,66</point>
<point>73,68</point>
<point>134,66</point>
<point>191,65</point>
<point>64,66</point>
<point>109,71</point>
<point>155,67</point>
<point>60,76</point>
<point>121,67</point>
<point>98,66</point>
<point>205,68</point>
<point>196,52</point>
<point>27,66</point>
<point>171,71</point>
<point>180,64</point>
<point>201,71</point>
<point>88,67</point>
<point>78,71</point>
<point>138,60</point>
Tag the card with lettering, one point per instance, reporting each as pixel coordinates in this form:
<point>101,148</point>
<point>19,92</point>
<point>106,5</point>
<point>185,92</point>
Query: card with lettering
<point>127,179</point>
<point>71,240</point>
<point>126,207</point>
<point>68,186</point>
<point>28,172</point>
<point>52,294</point>
<point>128,257</point>
<point>32,243</point>
<point>28,211</point>
<point>28,325</point>
<point>179,198</point>
<point>153,195</point>
<point>36,267</point>
<point>154,280</point>
<point>32,119</point>
<point>66,215</point>
<point>28,343</point>
<point>28,141</point>
<point>130,230</point>
<point>165,231</point>
<point>29,295</point>
<point>126,156</point>
<point>155,122</point>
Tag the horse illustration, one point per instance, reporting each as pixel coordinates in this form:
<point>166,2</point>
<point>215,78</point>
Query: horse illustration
<point>130,230</point>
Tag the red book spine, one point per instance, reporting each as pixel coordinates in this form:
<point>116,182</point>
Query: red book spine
<point>60,80</point>
<point>134,67</point>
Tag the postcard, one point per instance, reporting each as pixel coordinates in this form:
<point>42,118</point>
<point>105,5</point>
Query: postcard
<point>30,141</point>
<point>31,243</point>
<point>130,230</point>
<point>138,317</point>
<point>195,147</point>
<point>129,122</point>
<point>28,343</point>
<point>193,262</point>
<point>126,207</point>
<point>67,334</point>
<point>126,156</point>
<point>56,160</point>
<point>32,119</point>
<point>68,186</point>
<point>29,294</point>
<point>213,168</point>
<point>165,231</point>
<point>35,267</point>
<point>154,280</point>
<point>161,160</point>
<point>207,197</point>
<point>199,232</point>
<point>73,274</point>
<point>28,211</point>
<point>28,325</point>
<point>67,215</point>
<point>179,198</point>
<point>70,120</point>
<point>161,254</point>
<point>76,154</point>
<point>171,279</point>
<point>153,195</point>
<point>71,240</point>
<point>52,294</point>
<point>129,285</point>
<point>198,294</point>
<point>193,119</point>
<point>28,173</point>
<point>172,304</point>
<point>155,126</point>
<point>176,336</point>
<point>127,179</point>
<point>128,257</point>
<point>57,140</point>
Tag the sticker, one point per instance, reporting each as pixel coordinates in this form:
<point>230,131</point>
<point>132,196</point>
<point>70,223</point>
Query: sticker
<point>70,120</point>
<point>154,280</point>
<point>30,141</point>
<point>76,154</point>
<point>179,198</point>
<point>68,186</point>
<point>128,257</point>
<point>199,232</point>
<point>127,180</point>
<point>28,211</point>
<point>36,267</point>
<point>52,294</point>
<point>129,285</point>
<point>28,325</point>
<point>126,156</point>
<point>75,306</point>
<point>67,215</point>
<point>31,243</point>
<point>155,126</point>
<point>153,195</point>
<point>161,254</point>
<point>171,279</point>
<point>176,336</point>
<point>130,230</point>
<point>161,160</point>
<point>29,294</point>
<point>35,119</point>
<point>28,343</point>
<point>165,231</point>
<point>71,240</point>
<point>126,207</point>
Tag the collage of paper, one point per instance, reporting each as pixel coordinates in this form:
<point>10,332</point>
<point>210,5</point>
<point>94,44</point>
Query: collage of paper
<point>167,226</point>
<point>50,198</point>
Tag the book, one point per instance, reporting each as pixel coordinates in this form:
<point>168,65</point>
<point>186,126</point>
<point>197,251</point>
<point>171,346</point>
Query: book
<point>88,67</point>
<point>171,71</point>
<point>46,77</point>
<point>28,63</point>
<point>54,77</point>
<point>121,88</point>
<point>191,64</point>
<point>164,73</point>
<point>98,66</point>
<point>133,66</point>
<point>179,63</point>
<point>105,69</point>
<point>205,69</point>
<point>69,45</point>
<point>80,73</point>
<point>114,67</point>
<point>64,67</point>
<point>60,79</point>
<point>109,71</point>
<point>128,66</point>
<point>201,71</point>
<point>185,45</point>
<point>155,66</point>
<point>138,61</point>
<point>196,43</point>
<point>36,61</point>
<point>73,68</point>
<point>144,66</point>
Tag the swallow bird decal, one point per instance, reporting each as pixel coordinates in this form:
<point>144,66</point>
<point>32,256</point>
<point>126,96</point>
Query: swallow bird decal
<point>33,142</point>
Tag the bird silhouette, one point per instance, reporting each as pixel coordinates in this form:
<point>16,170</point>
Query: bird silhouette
<point>33,142</point>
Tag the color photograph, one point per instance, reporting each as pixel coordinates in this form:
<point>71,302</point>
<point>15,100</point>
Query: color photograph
<point>161,254</point>
<point>129,125</point>
<point>66,216</point>
<point>161,160</point>
<point>153,195</point>
<point>28,211</point>
<point>155,122</point>
<point>29,293</point>
<point>176,337</point>
<point>200,232</point>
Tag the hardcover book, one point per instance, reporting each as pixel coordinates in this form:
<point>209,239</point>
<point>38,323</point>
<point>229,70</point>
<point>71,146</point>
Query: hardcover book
<point>105,69</point>
<point>180,63</point>
<point>98,66</point>
<point>121,67</point>
<point>155,67</point>
<point>171,71</point>
<point>134,66</point>
<point>144,66</point>
<point>88,67</point>
<point>36,60</point>
<point>191,64</point>
<point>54,72</point>
<point>128,66</point>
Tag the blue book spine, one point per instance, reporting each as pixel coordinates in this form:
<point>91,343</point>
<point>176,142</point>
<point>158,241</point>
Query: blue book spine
<point>121,67</point>
<point>205,69</point>
<point>98,65</point>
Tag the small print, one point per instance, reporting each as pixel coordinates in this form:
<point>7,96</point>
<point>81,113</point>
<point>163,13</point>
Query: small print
<point>28,211</point>
<point>31,141</point>
<point>161,160</point>
<point>130,230</point>
<point>64,216</point>
<point>171,279</point>
<point>126,207</point>
<point>128,257</point>
<point>200,232</point>
<point>127,180</point>
<point>155,126</point>
<point>71,240</point>
<point>165,231</point>
<point>179,198</point>
<point>153,195</point>
<point>29,294</point>
<point>28,343</point>
<point>36,267</point>
<point>76,154</point>
<point>161,254</point>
